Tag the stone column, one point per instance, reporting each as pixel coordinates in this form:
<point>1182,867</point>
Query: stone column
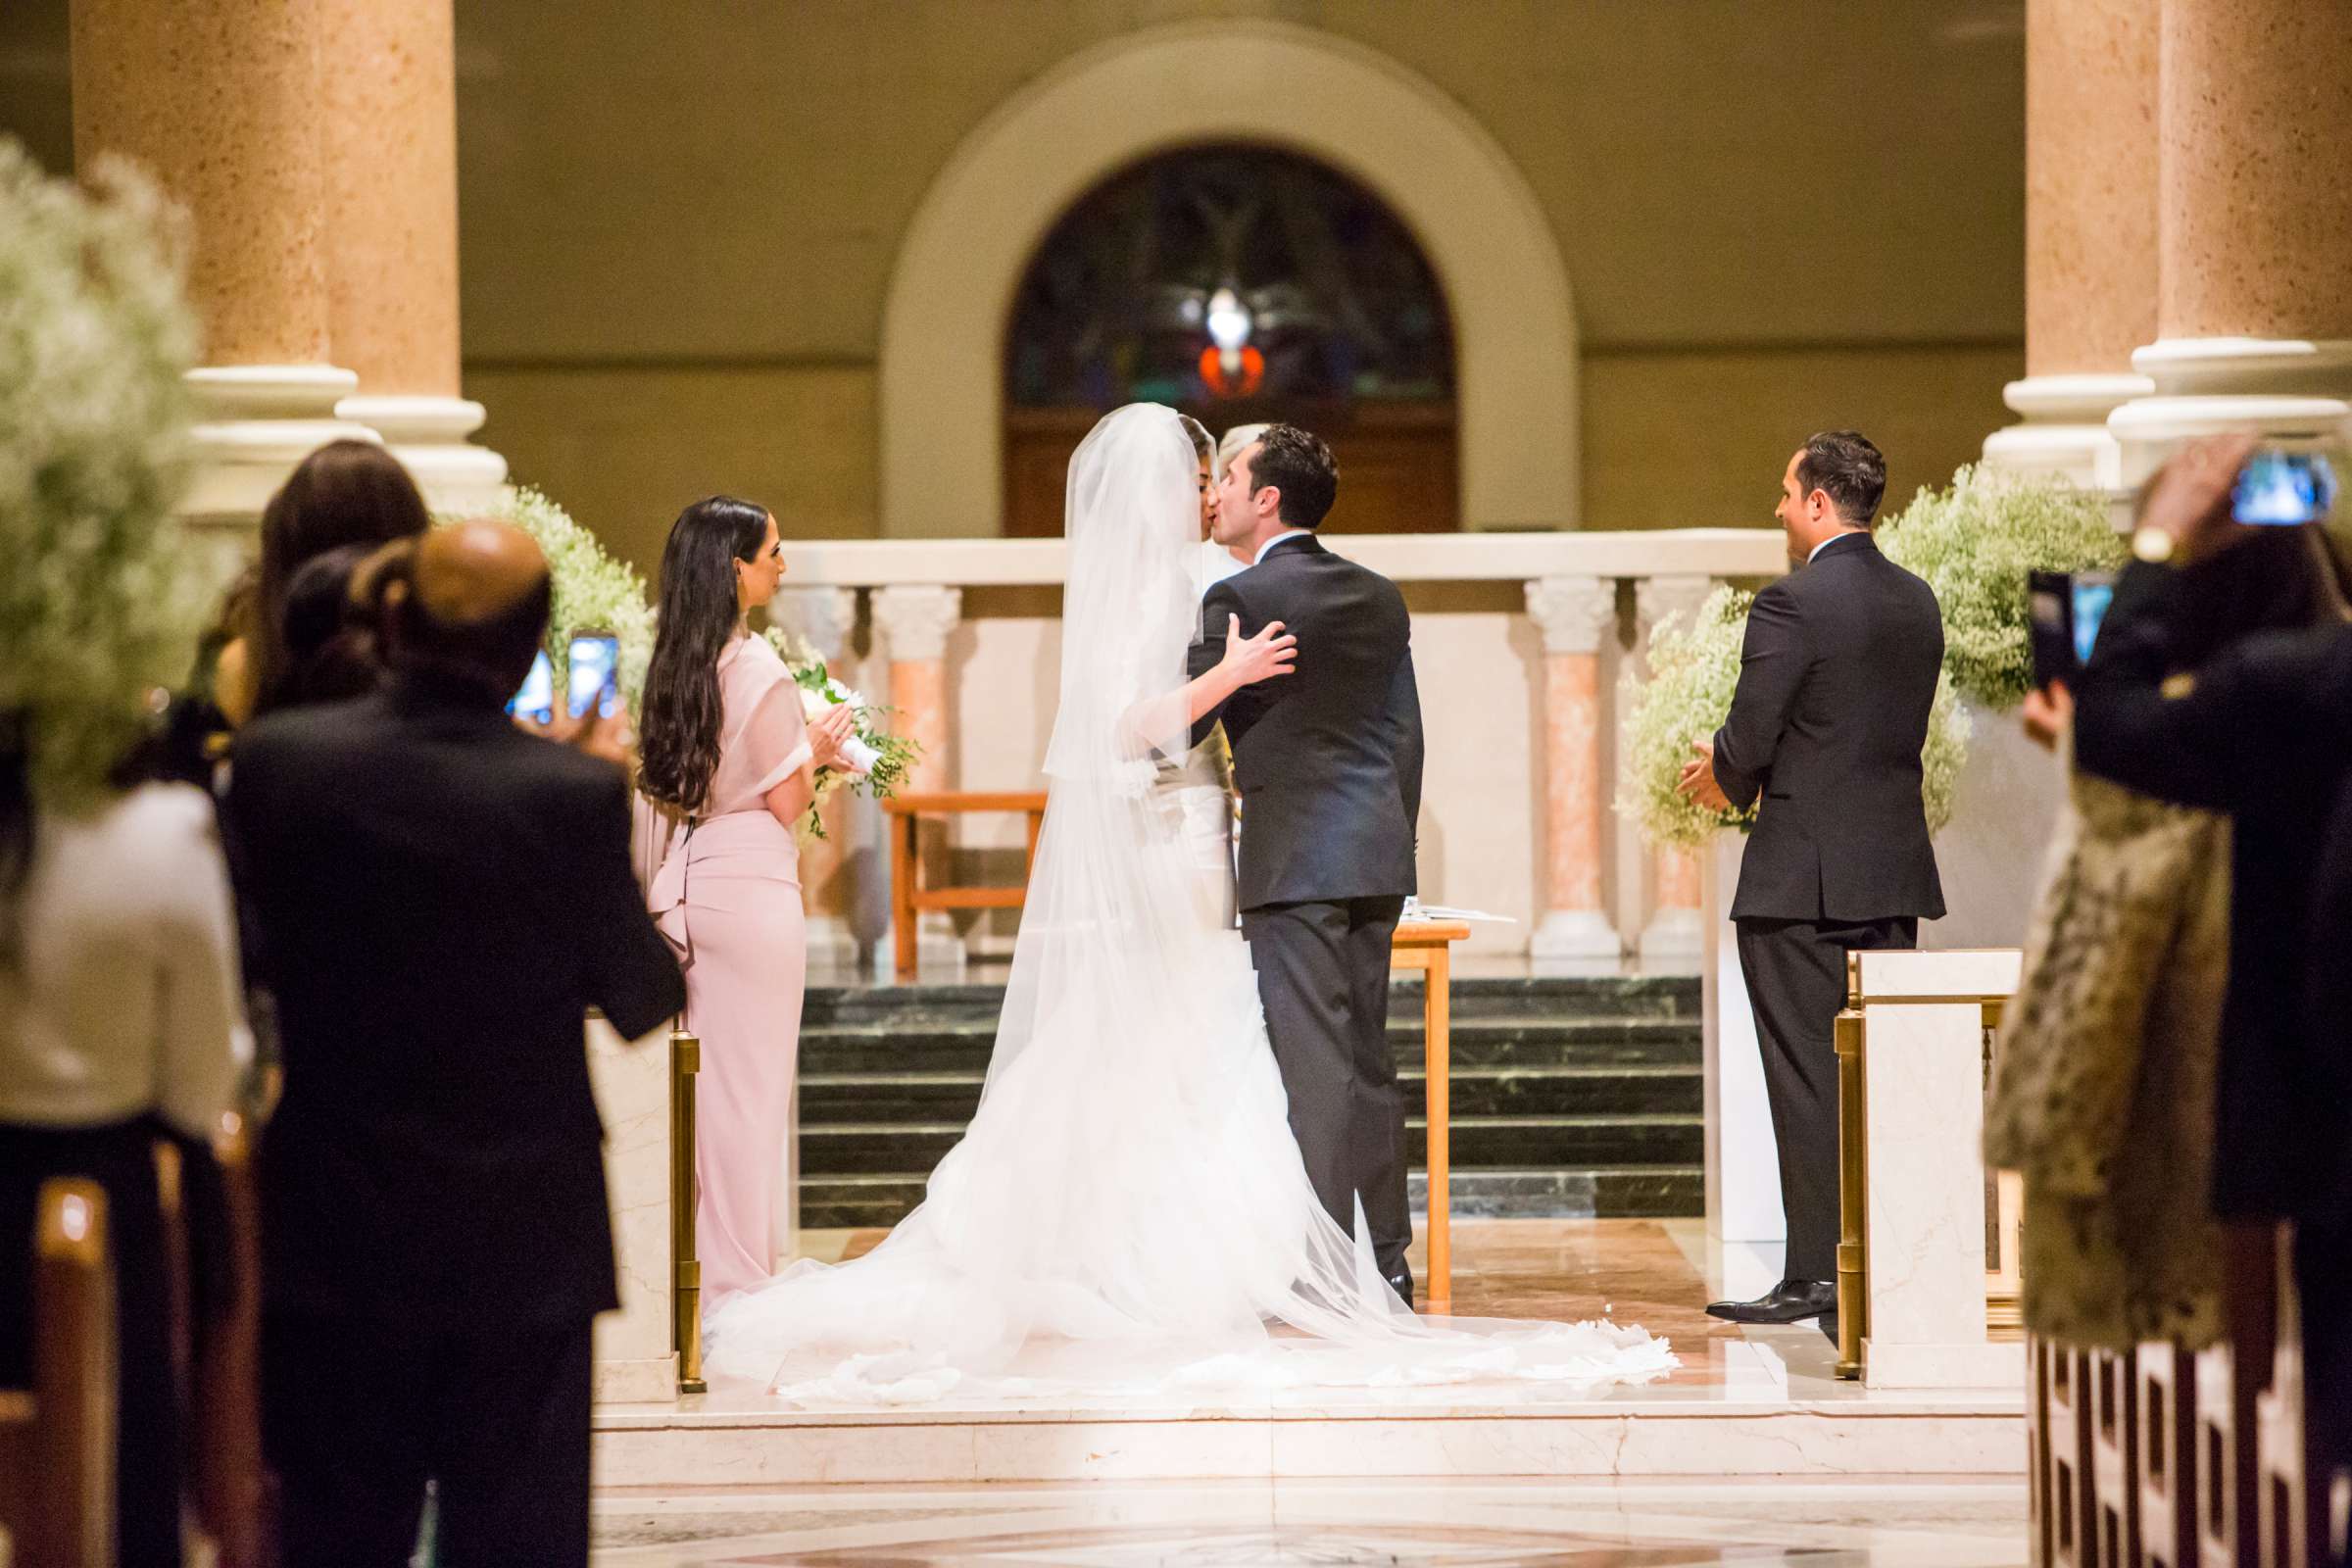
<point>826,617</point>
<point>388,116</point>
<point>218,100</point>
<point>2090,235</point>
<point>1574,613</point>
<point>915,621</point>
<point>2254,271</point>
<point>1675,939</point>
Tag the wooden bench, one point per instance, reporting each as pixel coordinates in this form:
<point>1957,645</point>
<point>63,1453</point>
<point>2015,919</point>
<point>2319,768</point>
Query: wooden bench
<point>57,1438</point>
<point>909,896</point>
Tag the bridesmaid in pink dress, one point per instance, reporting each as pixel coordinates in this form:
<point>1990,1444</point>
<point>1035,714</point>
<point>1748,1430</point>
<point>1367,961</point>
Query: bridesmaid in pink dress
<point>729,762</point>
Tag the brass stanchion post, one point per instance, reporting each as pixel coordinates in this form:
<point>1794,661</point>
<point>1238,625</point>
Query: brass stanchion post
<point>1853,1188</point>
<point>685,1273</point>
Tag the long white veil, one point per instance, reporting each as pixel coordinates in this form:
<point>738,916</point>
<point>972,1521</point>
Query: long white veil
<point>1128,1208</point>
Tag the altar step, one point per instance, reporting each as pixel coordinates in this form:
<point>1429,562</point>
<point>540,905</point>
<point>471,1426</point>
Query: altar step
<point>1571,1098</point>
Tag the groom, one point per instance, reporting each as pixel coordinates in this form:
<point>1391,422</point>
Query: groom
<point>1328,761</point>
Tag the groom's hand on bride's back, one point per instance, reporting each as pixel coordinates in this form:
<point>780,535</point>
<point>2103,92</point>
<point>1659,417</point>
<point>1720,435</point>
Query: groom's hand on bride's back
<point>1250,659</point>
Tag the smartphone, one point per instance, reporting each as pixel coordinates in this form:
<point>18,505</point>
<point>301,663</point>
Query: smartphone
<point>2063,614</point>
<point>537,698</point>
<point>594,673</point>
<point>2281,487</point>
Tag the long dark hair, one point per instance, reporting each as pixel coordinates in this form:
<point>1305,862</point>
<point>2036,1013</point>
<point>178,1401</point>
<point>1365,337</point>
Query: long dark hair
<point>679,733</point>
<point>345,492</point>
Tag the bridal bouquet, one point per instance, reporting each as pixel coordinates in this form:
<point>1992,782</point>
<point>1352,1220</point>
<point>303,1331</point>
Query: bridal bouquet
<point>881,757</point>
<point>1693,671</point>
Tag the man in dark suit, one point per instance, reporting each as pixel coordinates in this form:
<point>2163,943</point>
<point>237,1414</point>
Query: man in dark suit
<point>1837,679</point>
<point>441,899</point>
<point>1328,763</point>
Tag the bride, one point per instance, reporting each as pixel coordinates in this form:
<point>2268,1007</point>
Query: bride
<point>1128,1210</point>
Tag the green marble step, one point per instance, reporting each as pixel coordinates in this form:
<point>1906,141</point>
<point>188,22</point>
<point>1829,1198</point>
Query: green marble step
<point>1569,1141</point>
<point>1664,1191</point>
<point>1622,1088</point>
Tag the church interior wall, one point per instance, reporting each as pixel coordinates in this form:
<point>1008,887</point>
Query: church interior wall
<point>679,223</point>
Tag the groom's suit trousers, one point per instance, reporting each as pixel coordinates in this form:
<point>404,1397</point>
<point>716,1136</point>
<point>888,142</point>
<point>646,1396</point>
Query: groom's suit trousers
<point>1323,975</point>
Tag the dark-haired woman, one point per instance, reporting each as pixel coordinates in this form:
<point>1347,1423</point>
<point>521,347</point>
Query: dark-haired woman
<point>345,492</point>
<point>724,751</point>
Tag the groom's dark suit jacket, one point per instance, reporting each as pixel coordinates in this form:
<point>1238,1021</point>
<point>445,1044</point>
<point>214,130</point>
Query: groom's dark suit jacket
<point>1837,679</point>
<point>1327,758</point>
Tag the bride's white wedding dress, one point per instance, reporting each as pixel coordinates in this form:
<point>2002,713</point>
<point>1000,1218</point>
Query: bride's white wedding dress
<point>1128,1212</point>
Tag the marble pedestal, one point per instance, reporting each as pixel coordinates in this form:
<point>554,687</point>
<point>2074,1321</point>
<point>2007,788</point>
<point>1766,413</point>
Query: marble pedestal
<point>635,1361</point>
<point>1923,1128</point>
<point>1744,1163</point>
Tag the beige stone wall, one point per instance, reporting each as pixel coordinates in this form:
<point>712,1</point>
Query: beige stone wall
<point>678,221</point>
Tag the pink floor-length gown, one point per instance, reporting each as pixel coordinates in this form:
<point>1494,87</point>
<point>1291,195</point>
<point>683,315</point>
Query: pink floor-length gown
<point>728,897</point>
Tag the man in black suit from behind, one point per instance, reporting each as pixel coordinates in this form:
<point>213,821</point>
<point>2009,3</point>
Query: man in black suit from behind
<point>1328,763</point>
<point>1836,678</point>
<point>440,899</point>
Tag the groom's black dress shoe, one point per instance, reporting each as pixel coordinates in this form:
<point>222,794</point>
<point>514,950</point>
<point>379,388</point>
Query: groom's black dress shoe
<point>1402,1285</point>
<point>1789,1301</point>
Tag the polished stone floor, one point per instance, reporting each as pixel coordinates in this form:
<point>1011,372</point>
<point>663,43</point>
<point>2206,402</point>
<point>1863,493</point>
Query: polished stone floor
<point>1946,1523</point>
<point>1425,1487</point>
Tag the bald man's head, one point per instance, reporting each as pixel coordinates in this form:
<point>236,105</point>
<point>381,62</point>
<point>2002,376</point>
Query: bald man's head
<point>474,606</point>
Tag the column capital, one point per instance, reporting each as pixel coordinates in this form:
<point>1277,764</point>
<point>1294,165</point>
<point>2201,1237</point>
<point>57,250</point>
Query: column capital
<point>917,619</point>
<point>823,617</point>
<point>1573,610</point>
<point>1672,593</point>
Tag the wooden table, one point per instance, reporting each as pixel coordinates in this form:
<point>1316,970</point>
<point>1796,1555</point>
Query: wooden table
<point>1428,946</point>
<point>909,896</point>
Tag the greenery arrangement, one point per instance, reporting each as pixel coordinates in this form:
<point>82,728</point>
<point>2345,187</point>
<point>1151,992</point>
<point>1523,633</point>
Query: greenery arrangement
<point>893,754</point>
<point>591,591</point>
<point>105,594</point>
<point>1973,542</point>
<point>1693,671</point>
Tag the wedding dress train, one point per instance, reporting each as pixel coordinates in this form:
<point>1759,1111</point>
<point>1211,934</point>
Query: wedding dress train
<point>1128,1212</point>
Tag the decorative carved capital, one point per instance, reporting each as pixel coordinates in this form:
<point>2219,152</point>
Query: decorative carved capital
<point>824,616</point>
<point>1572,612</point>
<point>1678,594</point>
<point>915,621</point>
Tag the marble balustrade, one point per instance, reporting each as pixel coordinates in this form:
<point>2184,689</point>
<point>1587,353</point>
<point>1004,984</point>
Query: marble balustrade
<point>1521,644</point>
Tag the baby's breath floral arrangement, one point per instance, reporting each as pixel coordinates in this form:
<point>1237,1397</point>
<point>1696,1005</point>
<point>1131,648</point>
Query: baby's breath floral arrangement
<point>591,591</point>
<point>1693,671</point>
<point>104,594</point>
<point>1973,542</point>
<point>887,758</point>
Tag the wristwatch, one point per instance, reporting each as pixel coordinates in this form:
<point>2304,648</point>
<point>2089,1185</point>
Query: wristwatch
<point>2153,545</point>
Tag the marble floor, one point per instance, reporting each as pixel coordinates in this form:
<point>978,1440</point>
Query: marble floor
<point>1946,1523</point>
<point>1744,1402</point>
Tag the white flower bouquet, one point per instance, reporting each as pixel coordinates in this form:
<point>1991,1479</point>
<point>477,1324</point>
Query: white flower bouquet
<point>881,759</point>
<point>1693,671</point>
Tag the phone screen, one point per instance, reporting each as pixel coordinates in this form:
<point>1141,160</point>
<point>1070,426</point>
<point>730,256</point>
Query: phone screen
<point>2092,593</point>
<point>537,698</point>
<point>594,662</point>
<point>2284,489</point>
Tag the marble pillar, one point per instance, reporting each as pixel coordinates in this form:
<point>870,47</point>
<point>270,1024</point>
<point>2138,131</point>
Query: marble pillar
<point>915,621</point>
<point>389,122</point>
<point>2254,269</point>
<point>2090,235</point>
<point>826,619</point>
<point>1674,939</point>
<point>218,100</point>
<point>1573,614</point>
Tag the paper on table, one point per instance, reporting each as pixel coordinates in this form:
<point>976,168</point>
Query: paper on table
<point>1415,909</point>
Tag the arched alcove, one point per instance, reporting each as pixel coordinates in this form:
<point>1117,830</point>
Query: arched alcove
<point>1242,284</point>
<point>941,379</point>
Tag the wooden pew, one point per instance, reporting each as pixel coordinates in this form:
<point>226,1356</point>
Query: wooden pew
<point>57,1438</point>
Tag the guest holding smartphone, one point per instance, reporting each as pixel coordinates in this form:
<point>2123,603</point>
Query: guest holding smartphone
<point>727,758</point>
